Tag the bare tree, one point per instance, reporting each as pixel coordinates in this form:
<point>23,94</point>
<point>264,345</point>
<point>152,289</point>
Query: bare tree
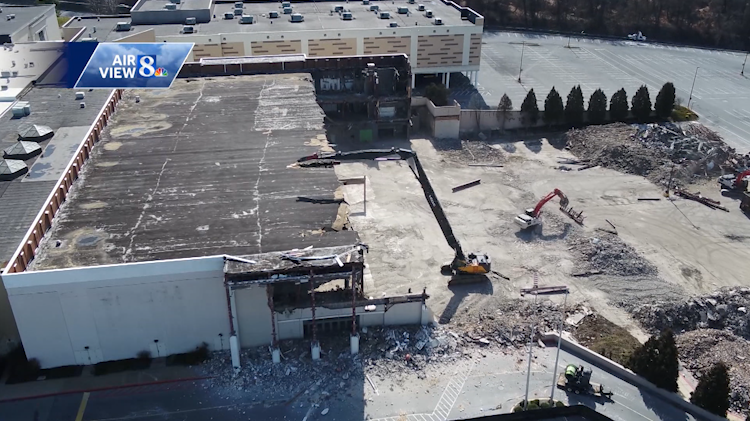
<point>102,7</point>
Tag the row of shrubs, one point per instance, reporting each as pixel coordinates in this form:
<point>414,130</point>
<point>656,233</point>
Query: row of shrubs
<point>23,370</point>
<point>538,404</point>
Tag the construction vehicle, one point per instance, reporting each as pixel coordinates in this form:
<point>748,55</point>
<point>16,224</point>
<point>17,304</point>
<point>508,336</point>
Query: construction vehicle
<point>734,183</point>
<point>745,203</point>
<point>462,264</point>
<point>577,380</point>
<point>531,217</point>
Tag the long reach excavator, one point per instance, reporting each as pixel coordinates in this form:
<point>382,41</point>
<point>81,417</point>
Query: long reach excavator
<point>462,264</point>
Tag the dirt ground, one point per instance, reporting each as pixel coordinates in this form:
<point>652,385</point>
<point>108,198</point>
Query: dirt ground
<point>694,248</point>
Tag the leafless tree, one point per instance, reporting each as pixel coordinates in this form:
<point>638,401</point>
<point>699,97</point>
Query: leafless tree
<point>102,7</point>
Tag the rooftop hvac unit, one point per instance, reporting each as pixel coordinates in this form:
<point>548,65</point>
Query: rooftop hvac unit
<point>411,1</point>
<point>11,16</point>
<point>438,21</point>
<point>228,15</point>
<point>238,12</point>
<point>287,10</point>
<point>122,26</point>
<point>188,29</point>
<point>428,14</point>
<point>286,4</point>
<point>347,16</point>
<point>296,17</point>
<point>175,1</point>
<point>374,8</point>
<point>246,19</point>
<point>338,8</point>
<point>385,15</point>
<point>190,21</point>
<point>273,14</point>
<point>393,25</point>
<point>170,6</point>
<point>365,1</point>
<point>420,7</point>
<point>403,10</point>
<point>239,5</point>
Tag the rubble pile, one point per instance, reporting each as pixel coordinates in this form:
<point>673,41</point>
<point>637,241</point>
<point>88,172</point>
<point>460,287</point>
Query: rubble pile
<point>609,255</point>
<point>473,152</point>
<point>725,309</point>
<point>660,152</point>
<point>702,348</point>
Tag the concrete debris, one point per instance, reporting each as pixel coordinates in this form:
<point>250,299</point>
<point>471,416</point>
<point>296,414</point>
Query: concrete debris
<point>660,152</point>
<point>702,348</point>
<point>725,309</point>
<point>470,152</point>
<point>608,254</point>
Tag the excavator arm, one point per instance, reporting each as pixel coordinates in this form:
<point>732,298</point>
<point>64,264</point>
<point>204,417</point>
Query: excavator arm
<point>476,262</point>
<point>563,201</point>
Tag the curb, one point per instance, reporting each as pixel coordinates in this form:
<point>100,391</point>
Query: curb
<point>103,388</point>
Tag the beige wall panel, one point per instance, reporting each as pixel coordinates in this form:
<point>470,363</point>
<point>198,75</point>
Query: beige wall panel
<point>266,48</point>
<point>475,50</point>
<point>206,50</point>
<point>387,45</point>
<point>332,47</point>
<point>440,50</point>
<point>233,49</point>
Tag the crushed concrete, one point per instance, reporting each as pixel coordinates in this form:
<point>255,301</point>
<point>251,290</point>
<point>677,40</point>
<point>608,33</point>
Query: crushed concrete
<point>610,255</point>
<point>470,152</point>
<point>700,349</point>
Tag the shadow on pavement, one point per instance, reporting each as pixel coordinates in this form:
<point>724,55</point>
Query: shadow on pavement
<point>534,145</point>
<point>663,410</point>
<point>460,290</point>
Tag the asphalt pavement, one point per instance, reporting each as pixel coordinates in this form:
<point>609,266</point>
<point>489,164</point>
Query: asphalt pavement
<point>721,95</point>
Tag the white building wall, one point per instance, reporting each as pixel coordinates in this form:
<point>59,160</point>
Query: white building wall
<point>87,315</point>
<point>253,316</point>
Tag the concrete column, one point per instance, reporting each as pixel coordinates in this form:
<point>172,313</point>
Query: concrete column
<point>413,80</point>
<point>448,80</point>
<point>275,355</point>
<point>234,347</point>
<point>354,343</point>
<point>315,350</point>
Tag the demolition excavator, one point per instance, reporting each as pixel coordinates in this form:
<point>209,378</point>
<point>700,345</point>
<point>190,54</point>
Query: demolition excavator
<point>531,217</point>
<point>462,264</point>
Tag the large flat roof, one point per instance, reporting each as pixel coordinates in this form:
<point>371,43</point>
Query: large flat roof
<point>25,15</point>
<point>143,6</point>
<point>201,169</point>
<point>22,198</point>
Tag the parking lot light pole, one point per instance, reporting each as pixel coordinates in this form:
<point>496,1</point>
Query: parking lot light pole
<point>528,368</point>
<point>691,88</point>
<point>520,69</point>
<point>557,358</point>
<point>743,65</point>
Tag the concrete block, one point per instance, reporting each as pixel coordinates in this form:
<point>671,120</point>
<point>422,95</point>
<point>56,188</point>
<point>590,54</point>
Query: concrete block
<point>276,355</point>
<point>354,343</point>
<point>315,351</point>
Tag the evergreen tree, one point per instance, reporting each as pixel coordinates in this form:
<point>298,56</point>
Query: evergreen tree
<point>642,104</point>
<point>574,106</point>
<point>503,107</point>
<point>657,361</point>
<point>712,392</point>
<point>597,107</point>
<point>438,94</point>
<point>529,108</point>
<point>665,100</point>
<point>618,106</point>
<point>553,107</point>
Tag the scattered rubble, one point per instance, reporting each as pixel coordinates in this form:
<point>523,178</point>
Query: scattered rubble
<point>660,152</point>
<point>702,348</point>
<point>471,152</point>
<point>609,255</point>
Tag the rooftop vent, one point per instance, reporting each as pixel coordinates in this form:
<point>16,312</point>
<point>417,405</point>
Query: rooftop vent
<point>22,150</point>
<point>12,168</point>
<point>229,15</point>
<point>365,1</point>
<point>393,25</point>
<point>347,16</point>
<point>246,19</point>
<point>338,8</point>
<point>374,8</point>
<point>297,17</point>
<point>287,10</point>
<point>190,21</point>
<point>428,13</point>
<point>170,6</point>
<point>403,10</point>
<point>286,4</point>
<point>420,7</point>
<point>188,29</point>
<point>438,21</point>
<point>239,5</point>
<point>411,2</point>
<point>273,14</point>
<point>385,15</point>
<point>36,133</point>
<point>11,16</point>
<point>238,12</point>
<point>122,26</point>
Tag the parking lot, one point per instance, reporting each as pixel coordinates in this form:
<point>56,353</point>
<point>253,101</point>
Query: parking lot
<point>721,95</point>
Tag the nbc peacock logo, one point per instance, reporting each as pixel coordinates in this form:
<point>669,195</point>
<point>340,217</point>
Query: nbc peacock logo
<point>161,72</point>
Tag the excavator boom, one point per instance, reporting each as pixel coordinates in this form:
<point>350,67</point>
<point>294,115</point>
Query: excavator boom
<point>563,201</point>
<point>476,263</point>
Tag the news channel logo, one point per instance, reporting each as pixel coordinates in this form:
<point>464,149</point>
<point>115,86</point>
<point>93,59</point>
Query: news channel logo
<point>133,65</point>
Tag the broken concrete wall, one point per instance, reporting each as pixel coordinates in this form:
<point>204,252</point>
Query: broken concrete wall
<point>253,316</point>
<point>489,120</point>
<point>444,122</point>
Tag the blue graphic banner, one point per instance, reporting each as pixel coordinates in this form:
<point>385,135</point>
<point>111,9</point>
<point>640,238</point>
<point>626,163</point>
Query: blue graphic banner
<point>152,65</point>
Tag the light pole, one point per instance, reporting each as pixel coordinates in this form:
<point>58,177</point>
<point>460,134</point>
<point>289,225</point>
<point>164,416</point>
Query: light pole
<point>528,368</point>
<point>743,65</point>
<point>691,88</point>
<point>559,340</point>
<point>520,69</point>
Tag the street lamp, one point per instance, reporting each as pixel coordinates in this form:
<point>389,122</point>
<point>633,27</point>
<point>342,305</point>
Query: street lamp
<point>743,65</point>
<point>559,340</point>
<point>520,69</point>
<point>691,88</point>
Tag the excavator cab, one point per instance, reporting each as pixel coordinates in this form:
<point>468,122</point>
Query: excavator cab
<point>473,264</point>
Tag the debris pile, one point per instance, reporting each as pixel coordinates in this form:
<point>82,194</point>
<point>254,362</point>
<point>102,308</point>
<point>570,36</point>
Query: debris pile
<point>725,309</point>
<point>702,348</point>
<point>660,152</point>
<point>609,255</point>
<point>472,152</point>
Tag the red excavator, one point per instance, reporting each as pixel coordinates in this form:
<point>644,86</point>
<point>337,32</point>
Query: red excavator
<point>530,218</point>
<point>736,183</point>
